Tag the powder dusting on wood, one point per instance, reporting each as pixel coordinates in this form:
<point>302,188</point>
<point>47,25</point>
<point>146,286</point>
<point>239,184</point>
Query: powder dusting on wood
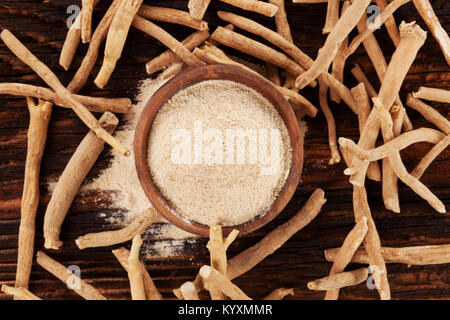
<point>121,176</point>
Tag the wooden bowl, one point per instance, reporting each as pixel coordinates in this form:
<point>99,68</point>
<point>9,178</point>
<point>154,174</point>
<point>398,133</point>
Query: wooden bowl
<point>191,77</point>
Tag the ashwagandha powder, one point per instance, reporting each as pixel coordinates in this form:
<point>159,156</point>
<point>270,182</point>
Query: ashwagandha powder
<point>219,152</point>
<point>166,239</point>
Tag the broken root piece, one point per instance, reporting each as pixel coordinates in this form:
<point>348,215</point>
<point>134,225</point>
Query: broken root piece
<point>66,96</point>
<point>332,139</point>
<point>37,137</point>
<point>279,294</point>
<point>214,280</point>
<point>351,243</point>
<point>71,179</point>
<point>140,223</point>
<point>168,57</point>
<point>430,157</point>
<point>85,290</point>
<point>151,292</point>
<point>115,105</point>
<point>414,256</point>
<point>340,280</point>
<point>261,7</point>
<point>135,274</point>
<point>19,293</point>
<point>197,8</point>
<point>86,20</point>
<point>116,38</point>
<point>433,94</point>
<point>339,33</point>
<point>189,291</point>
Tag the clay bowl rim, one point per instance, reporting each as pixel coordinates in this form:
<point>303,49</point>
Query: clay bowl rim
<point>191,77</point>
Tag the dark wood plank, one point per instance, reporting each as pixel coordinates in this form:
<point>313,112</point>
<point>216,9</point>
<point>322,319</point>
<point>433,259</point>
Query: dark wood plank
<point>41,26</point>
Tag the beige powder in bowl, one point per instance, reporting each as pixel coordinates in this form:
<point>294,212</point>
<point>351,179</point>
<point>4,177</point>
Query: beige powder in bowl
<point>219,152</point>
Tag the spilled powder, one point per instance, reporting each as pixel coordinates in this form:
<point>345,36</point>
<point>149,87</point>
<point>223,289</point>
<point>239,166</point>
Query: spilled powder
<point>189,153</point>
<point>163,239</point>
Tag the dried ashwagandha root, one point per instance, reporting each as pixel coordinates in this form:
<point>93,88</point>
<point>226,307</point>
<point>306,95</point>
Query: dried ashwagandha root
<point>433,94</point>
<point>371,242</point>
<point>371,27</point>
<point>338,64</point>
<point>414,256</point>
<point>85,290</point>
<point>116,38</point>
<point>261,7</point>
<point>390,24</point>
<point>173,70</point>
<point>37,136</point>
<point>281,20</point>
<point>361,97</point>
<point>429,113</point>
<point>83,72</point>
<point>66,96</point>
<point>419,170</point>
<point>19,293</point>
<point>197,8</point>
<point>298,55</point>
<point>395,145</point>
<point>298,102</point>
<point>332,139</point>
<point>378,60</point>
<point>71,43</point>
<point>86,20</point>
<point>279,294</point>
<point>252,47</point>
<point>151,292</point>
<point>138,225</point>
<point>168,57</point>
<point>117,105</point>
<point>217,248</point>
<point>284,30</point>
<point>170,15</point>
<point>427,13</point>
<point>351,243</point>
<point>359,75</point>
<point>213,280</point>
<point>332,16</point>
<point>188,291</point>
<point>413,38</point>
<point>134,270</point>
<point>250,257</point>
<point>164,37</point>
<point>328,52</point>
<point>71,179</point>
<point>340,280</point>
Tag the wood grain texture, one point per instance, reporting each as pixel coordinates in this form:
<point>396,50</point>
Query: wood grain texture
<point>41,26</point>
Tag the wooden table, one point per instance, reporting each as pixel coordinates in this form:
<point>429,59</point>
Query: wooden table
<point>41,26</point>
